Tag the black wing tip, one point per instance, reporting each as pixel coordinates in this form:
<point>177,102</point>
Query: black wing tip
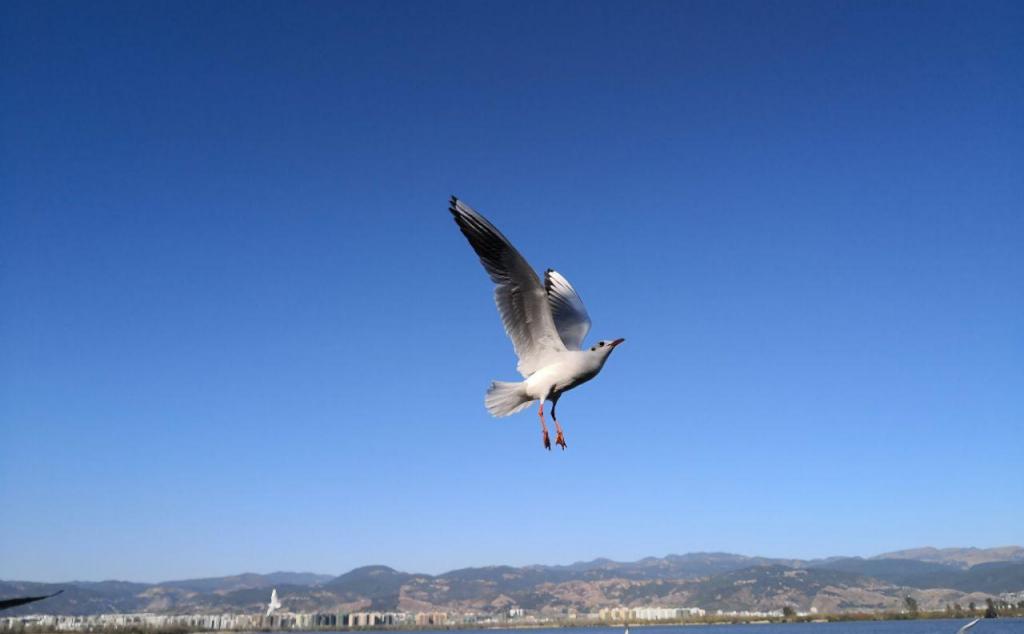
<point>453,205</point>
<point>464,217</point>
<point>467,218</point>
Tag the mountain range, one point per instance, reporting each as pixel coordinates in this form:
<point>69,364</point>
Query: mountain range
<point>934,577</point>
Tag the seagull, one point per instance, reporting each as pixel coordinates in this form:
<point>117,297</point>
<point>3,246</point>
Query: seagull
<point>546,323</point>
<point>274,603</point>
<point>964,629</point>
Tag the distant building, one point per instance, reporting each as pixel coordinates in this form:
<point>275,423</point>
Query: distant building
<point>647,613</point>
<point>431,618</point>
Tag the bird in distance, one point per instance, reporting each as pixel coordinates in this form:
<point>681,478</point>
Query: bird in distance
<point>274,604</point>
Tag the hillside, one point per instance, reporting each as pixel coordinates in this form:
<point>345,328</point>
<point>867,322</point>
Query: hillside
<point>959,557</point>
<point>708,580</point>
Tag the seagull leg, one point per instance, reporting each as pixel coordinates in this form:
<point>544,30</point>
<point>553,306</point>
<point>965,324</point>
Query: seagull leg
<point>559,438</point>
<point>543,427</point>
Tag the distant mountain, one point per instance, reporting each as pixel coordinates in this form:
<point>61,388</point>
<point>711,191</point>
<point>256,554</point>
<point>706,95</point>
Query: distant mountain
<point>379,586</point>
<point>906,572</point>
<point>994,577</point>
<point>111,588</point>
<point>709,580</point>
<point>247,580</point>
<point>298,578</point>
<point>961,557</point>
<point>688,566</point>
<point>772,587</point>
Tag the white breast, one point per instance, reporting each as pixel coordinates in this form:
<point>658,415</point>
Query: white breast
<point>571,369</point>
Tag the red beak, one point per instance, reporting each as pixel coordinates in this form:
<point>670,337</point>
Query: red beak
<point>615,343</point>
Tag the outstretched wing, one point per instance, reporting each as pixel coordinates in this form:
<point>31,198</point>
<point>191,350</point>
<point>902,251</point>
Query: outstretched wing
<point>16,601</point>
<point>964,629</point>
<point>522,302</point>
<point>567,310</point>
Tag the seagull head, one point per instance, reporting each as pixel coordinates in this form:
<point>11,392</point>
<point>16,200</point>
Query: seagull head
<point>605,347</point>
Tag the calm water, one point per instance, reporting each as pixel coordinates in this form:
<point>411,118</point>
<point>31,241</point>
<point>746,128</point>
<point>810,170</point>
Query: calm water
<point>943,626</point>
<point>938,626</point>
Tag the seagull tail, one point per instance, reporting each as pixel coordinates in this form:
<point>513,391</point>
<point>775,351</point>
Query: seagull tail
<point>504,399</point>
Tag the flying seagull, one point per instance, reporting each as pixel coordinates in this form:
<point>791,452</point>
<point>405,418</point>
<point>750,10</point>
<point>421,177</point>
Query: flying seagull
<point>547,324</point>
<point>274,603</point>
<point>964,629</point>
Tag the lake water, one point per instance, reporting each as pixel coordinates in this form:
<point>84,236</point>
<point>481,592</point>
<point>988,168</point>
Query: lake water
<point>937,626</point>
<point>932,626</point>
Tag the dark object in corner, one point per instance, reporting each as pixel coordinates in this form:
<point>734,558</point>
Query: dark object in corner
<point>990,609</point>
<point>15,602</point>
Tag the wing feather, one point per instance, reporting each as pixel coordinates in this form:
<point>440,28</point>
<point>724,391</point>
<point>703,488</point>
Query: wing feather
<point>567,310</point>
<point>522,301</point>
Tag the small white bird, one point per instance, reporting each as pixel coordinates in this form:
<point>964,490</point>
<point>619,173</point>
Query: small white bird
<point>964,629</point>
<point>274,603</point>
<point>547,325</point>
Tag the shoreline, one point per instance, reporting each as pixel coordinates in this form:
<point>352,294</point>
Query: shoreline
<point>29,628</point>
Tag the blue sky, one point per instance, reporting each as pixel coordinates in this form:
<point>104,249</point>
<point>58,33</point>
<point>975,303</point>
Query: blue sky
<point>240,331</point>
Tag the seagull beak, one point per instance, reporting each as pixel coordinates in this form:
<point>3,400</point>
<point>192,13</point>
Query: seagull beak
<point>615,343</point>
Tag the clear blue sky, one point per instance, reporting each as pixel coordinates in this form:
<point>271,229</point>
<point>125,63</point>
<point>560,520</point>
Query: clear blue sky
<point>240,331</point>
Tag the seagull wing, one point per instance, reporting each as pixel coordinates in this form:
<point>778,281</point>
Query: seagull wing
<point>15,602</point>
<point>968,626</point>
<point>567,310</point>
<point>521,299</point>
